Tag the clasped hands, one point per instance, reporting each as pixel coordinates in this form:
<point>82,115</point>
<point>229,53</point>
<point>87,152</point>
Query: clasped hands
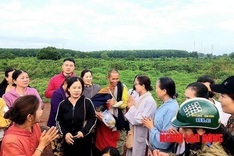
<point>148,122</point>
<point>69,138</point>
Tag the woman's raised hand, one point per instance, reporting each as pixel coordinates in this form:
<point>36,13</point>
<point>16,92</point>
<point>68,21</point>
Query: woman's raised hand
<point>131,101</point>
<point>48,136</point>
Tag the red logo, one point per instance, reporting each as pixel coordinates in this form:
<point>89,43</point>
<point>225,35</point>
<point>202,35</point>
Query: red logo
<point>178,137</point>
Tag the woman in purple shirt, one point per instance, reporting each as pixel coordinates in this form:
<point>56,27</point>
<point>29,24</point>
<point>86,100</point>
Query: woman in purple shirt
<point>58,96</point>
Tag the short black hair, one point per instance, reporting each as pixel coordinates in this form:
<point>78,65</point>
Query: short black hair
<point>70,59</point>
<point>205,78</point>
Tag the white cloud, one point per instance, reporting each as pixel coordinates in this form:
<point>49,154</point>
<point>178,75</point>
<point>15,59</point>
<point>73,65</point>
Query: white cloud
<point>99,24</point>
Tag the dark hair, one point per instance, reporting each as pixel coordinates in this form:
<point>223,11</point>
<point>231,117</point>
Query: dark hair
<point>227,143</point>
<point>169,85</point>
<point>85,71</point>
<point>228,140</point>
<point>200,89</point>
<point>71,81</point>
<point>133,87</point>
<point>145,80</point>
<point>21,108</point>
<point>70,59</point>
<point>66,79</point>
<point>111,150</point>
<point>16,74</point>
<point>4,81</point>
<point>112,71</point>
<point>205,78</point>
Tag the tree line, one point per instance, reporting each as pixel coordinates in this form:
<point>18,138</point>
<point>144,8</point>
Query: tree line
<point>53,53</point>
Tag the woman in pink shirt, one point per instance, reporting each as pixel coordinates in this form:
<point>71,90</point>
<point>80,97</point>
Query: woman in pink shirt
<point>24,136</point>
<point>21,82</point>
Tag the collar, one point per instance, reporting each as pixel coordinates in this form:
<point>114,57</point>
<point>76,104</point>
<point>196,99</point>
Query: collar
<point>66,75</point>
<point>88,86</point>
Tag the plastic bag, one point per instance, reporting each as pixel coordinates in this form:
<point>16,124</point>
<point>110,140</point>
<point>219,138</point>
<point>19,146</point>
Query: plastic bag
<point>108,119</point>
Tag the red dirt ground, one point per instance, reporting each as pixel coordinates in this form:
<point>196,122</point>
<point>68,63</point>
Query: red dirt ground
<point>46,112</point>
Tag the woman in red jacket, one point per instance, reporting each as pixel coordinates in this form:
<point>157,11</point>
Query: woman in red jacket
<point>24,136</point>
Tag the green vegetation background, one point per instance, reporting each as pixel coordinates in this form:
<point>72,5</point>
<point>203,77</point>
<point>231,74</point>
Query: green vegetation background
<point>182,70</point>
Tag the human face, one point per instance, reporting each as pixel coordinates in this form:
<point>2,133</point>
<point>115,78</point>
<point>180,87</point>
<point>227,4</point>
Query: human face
<point>159,92</point>
<point>227,104</point>
<point>113,79</point>
<point>189,93</point>
<point>68,67</point>
<point>88,79</point>
<point>9,77</point>
<point>75,89</point>
<point>22,80</point>
<point>106,154</point>
<point>138,87</point>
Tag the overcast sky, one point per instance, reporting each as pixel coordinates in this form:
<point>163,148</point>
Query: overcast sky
<point>90,25</point>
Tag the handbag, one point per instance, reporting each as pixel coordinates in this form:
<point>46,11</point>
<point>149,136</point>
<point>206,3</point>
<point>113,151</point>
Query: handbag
<point>130,135</point>
<point>130,139</point>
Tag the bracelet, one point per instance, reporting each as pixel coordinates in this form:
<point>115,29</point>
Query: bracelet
<point>39,150</point>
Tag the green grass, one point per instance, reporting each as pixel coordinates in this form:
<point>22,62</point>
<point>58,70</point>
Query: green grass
<point>182,70</point>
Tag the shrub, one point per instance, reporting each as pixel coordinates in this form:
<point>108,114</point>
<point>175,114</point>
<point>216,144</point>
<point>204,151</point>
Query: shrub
<point>49,53</point>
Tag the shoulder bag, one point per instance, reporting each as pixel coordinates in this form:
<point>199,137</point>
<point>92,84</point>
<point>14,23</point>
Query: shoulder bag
<point>130,135</point>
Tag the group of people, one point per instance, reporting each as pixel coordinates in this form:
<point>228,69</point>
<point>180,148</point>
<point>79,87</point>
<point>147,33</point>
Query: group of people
<point>88,120</point>
<point>21,109</point>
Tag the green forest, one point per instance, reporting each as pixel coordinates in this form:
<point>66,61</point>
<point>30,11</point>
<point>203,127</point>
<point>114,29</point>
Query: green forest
<point>55,54</point>
<point>183,70</point>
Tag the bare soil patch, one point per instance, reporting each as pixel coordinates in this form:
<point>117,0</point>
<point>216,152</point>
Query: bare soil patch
<point>43,124</point>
